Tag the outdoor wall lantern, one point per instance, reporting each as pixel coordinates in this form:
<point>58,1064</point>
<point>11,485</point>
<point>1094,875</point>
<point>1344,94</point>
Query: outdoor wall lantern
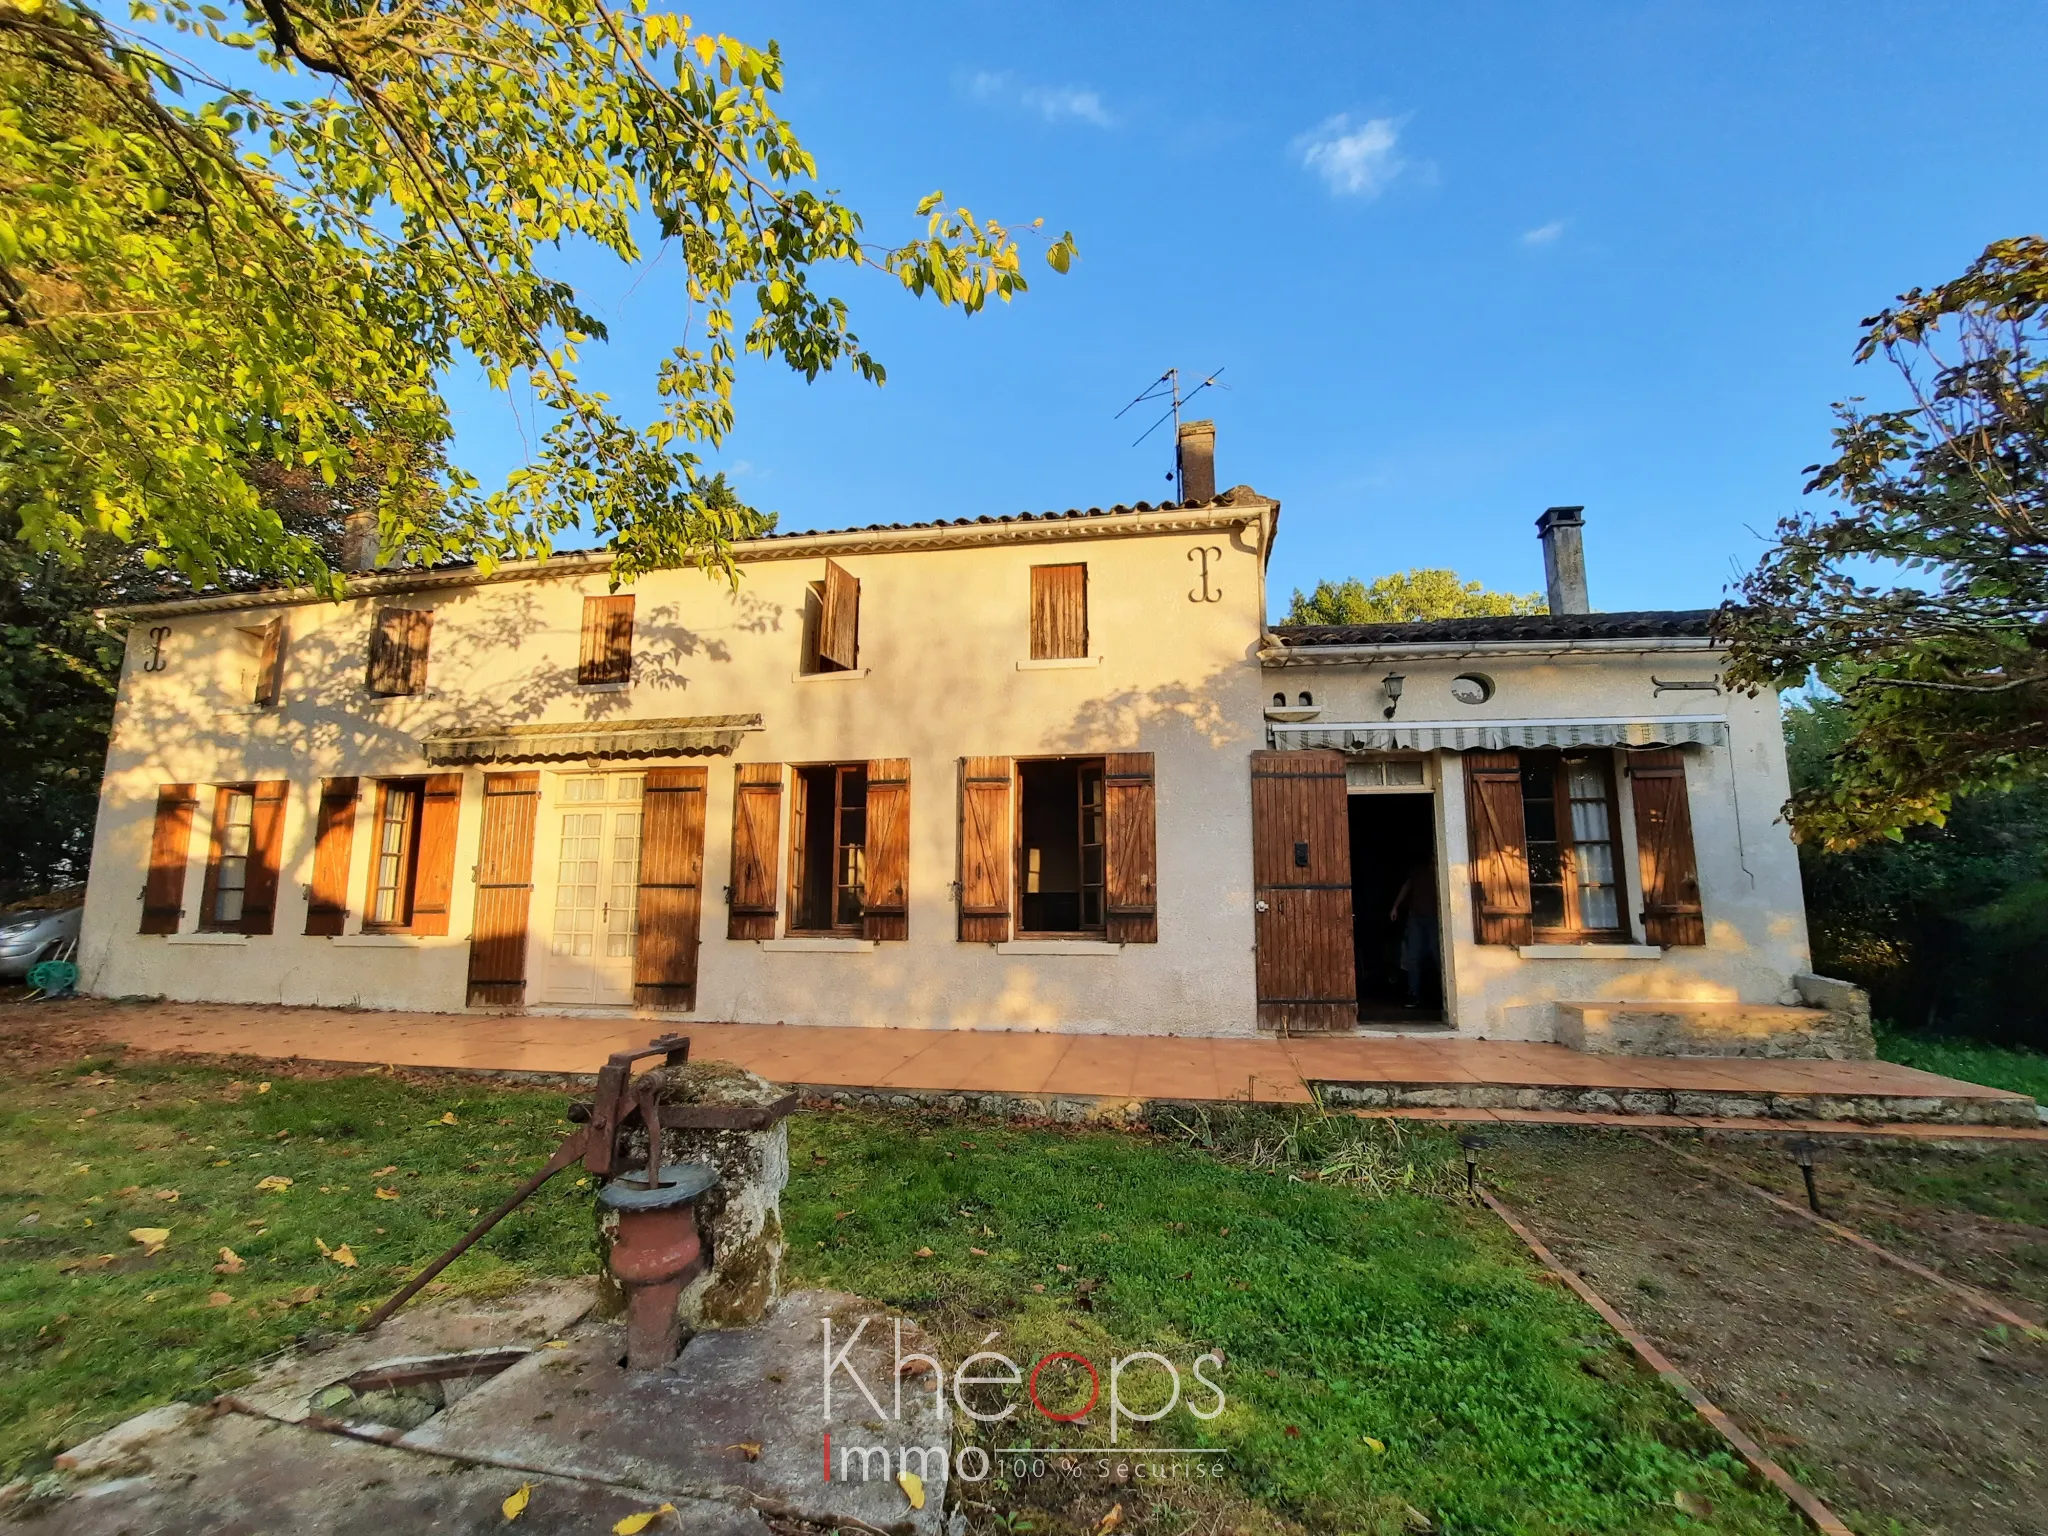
<point>1391,686</point>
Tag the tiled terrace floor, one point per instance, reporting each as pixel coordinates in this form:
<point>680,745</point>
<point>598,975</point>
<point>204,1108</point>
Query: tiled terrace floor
<point>1083,1066</point>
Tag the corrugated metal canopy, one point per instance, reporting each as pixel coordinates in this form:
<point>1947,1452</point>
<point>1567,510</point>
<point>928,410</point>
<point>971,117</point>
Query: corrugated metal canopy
<point>687,736</point>
<point>1505,735</point>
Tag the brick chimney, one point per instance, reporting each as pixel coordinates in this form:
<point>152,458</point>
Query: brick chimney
<point>1196,451</point>
<point>1564,558</point>
<point>359,540</point>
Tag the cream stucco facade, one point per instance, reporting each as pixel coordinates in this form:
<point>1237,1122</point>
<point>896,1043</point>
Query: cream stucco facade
<point>1180,665</point>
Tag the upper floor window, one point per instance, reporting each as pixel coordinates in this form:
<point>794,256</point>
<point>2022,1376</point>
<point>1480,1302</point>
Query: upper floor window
<point>260,666</point>
<point>607,655</point>
<point>832,622</point>
<point>398,651</point>
<point>1059,612</point>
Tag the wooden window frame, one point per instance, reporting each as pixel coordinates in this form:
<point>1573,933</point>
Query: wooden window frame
<point>799,852</point>
<point>409,856</point>
<point>606,655</point>
<point>1574,930</point>
<point>210,920</point>
<point>416,648</point>
<point>1019,861</point>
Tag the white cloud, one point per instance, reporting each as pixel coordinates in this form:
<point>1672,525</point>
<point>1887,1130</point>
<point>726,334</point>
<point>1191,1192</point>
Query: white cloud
<point>1356,162</point>
<point>1054,103</point>
<point>1543,234</point>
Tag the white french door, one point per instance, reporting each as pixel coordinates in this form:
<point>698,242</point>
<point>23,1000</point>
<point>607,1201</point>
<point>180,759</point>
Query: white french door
<point>597,889</point>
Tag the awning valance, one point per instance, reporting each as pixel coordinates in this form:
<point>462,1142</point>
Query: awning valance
<point>1505,735</point>
<point>687,736</point>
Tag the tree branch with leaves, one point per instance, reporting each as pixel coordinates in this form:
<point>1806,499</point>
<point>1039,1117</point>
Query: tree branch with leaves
<point>190,290</point>
<point>1921,598</point>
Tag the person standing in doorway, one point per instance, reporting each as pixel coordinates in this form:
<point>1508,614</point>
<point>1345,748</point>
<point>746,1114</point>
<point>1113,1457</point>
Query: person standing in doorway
<point>1420,952</point>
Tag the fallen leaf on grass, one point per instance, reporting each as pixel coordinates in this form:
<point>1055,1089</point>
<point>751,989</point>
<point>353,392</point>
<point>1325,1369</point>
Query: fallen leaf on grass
<point>516,1501</point>
<point>1416,1519</point>
<point>386,1194</point>
<point>913,1488</point>
<point>1110,1521</point>
<point>321,1244</point>
<point>1039,1288</point>
<point>924,1253</point>
<point>979,1253</point>
<point>78,1266</point>
<point>1378,1447</point>
<point>448,1119</point>
<point>167,1194</point>
<point>151,1238</point>
<point>382,1171</point>
<point>304,1296</point>
<point>230,1263</point>
<point>219,1299</point>
<point>343,1257</point>
<point>632,1525</point>
<point>263,1087</point>
<point>123,1194</point>
<point>747,1448</point>
<point>273,1182</point>
<point>841,1215</point>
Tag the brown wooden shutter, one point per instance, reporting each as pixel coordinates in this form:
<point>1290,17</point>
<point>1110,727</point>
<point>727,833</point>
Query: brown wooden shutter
<point>170,848</point>
<point>1131,859</point>
<point>1059,611</point>
<point>885,902</point>
<point>607,640</point>
<point>419,634</point>
<point>839,618</point>
<point>756,846</point>
<point>986,838</point>
<point>433,881</point>
<point>671,888</point>
<point>1671,880</point>
<point>333,841</point>
<point>270,669</point>
<point>1498,849</point>
<point>266,853</point>
<point>1301,885</point>
<point>504,891</point>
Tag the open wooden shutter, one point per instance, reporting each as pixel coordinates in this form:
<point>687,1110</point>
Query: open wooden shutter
<point>1301,885</point>
<point>986,836</point>
<point>170,848</point>
<point>504,891</point>
<point>671,888</point>
<point>607,655</point>
<point>270,669</point>
<point>266,852</point>
<point>333,841</point>
<point>1131,859</point>
<point>1671,879</point>
<point>419,634</point>
<point>839,617</point>
<point>1499,849</point>
<point>1059,611</point>
<point>885,903</point>
<point>433,881</point>
<point>756,848</point>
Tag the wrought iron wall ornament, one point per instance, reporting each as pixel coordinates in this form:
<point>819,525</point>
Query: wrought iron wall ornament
<point>157,637</point>
<point>1204,593</point>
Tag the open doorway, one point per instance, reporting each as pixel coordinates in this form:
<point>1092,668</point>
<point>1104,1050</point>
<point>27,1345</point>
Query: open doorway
<point>1394,915</point>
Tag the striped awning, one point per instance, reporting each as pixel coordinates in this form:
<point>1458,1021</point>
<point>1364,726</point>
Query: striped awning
<point>687,736</point>
<point>1505,735</point>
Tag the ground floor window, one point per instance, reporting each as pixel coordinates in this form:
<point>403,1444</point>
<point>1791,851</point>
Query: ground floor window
<point>237,813</point>
<point>1063,836</point>
<point>395,860</point>
<point>829,834</point>
<point>1569,814</point>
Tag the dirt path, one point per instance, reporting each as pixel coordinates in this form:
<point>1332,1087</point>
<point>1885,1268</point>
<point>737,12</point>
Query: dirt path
<point>1892,1399</point>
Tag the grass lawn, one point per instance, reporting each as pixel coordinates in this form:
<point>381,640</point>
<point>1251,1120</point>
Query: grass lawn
<point>1376,1311</point>
<point>1994,1066</point>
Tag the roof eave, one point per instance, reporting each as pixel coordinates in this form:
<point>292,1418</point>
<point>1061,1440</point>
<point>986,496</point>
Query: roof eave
<point>1458,650</point>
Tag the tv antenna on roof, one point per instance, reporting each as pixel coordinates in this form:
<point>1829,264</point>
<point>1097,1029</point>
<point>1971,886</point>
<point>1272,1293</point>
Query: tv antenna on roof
<point>1167,387</point>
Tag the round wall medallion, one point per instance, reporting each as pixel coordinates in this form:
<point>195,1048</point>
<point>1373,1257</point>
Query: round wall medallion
<point>1472,688</point>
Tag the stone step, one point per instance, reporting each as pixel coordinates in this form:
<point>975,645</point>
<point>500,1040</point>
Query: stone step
<point>1989,1108</point>
<point>1663,1027</point>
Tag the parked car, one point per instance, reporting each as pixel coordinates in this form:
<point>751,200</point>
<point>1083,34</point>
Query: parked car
<point>39,933</point>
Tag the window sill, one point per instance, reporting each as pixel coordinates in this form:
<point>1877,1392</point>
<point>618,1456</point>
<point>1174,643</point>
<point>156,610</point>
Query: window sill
<point>1058,663</point>
<point>625,687</point>
<point>234,711</point>
<point>374,940</point>
<point>236,939</point>
<point>1059,947</point>
<point>846,675</point>
<point>818,946</point>
<point>393,698</point>
<point>1293,716</point>
<point>1590,952</point>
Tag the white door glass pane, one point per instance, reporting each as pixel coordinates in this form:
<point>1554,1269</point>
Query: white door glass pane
<point>391,855</point>
<point>232,875</point>
<point>624,901</point>
<point>577,881</point>
<point>626,786</point>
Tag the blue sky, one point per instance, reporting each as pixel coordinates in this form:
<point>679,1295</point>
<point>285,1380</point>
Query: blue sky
<point>1460,262</point>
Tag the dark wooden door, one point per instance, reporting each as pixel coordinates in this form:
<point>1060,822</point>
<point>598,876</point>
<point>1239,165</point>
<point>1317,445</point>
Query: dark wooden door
<point>1301,887</point>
